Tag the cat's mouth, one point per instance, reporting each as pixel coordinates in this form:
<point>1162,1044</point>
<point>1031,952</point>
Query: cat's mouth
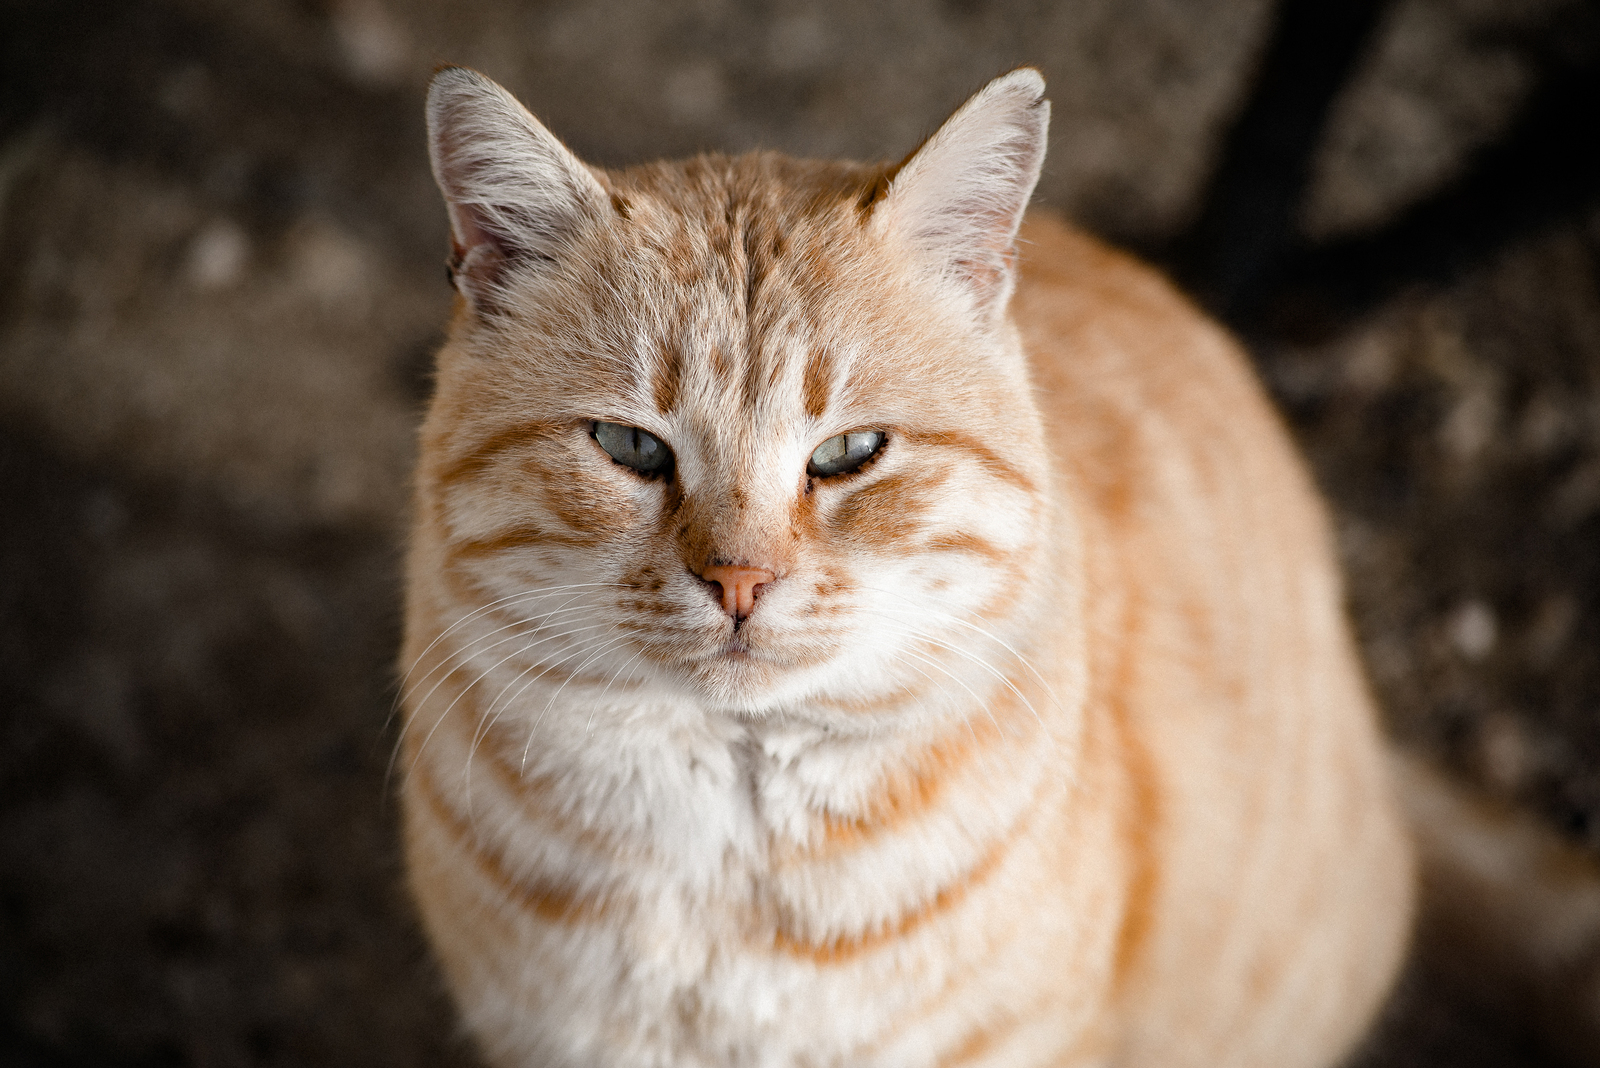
<point>737,655</point>
<point>748,663</point>
<point>732,670</point>
<point>736,651</point>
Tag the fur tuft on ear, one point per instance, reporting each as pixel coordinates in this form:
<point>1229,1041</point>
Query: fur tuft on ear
<point>957,201</point>
<point>514,192</point>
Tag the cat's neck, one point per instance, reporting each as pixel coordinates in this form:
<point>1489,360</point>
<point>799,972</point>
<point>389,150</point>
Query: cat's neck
<point>692,785</point>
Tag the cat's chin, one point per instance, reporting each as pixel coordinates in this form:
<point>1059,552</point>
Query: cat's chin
<point>738,677</point>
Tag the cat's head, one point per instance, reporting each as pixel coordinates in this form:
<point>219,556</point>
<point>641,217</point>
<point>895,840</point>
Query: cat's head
<point>760,427</point>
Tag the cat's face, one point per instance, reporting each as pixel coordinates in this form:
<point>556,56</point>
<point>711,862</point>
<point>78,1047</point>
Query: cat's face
<point>730,379</point>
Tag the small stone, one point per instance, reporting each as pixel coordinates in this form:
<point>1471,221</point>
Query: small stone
<point>217,255</point>
<point>696,93</point>
<point>1470,426</point>
<point>1504,752</point>
<point>1371,363</point>
<point>1474,630</point>
<point>375,47</point>
<point>333,267</point>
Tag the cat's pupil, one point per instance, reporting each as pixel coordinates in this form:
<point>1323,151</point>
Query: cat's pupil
<point>633,447</point>
<point>843,453</point>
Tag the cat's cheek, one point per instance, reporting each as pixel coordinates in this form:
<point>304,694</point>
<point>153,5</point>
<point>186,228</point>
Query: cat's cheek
<point>605,506</point>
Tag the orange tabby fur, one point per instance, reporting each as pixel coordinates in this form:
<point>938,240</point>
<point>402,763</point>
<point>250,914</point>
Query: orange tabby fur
<point>1045,745</point>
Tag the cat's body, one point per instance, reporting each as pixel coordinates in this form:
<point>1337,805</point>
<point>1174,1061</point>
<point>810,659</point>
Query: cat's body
<point>1037,738</point>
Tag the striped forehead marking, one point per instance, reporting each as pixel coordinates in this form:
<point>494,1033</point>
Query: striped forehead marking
<point>726,273</point>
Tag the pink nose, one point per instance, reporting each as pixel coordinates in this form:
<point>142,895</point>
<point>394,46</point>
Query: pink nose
<point>738,585</point>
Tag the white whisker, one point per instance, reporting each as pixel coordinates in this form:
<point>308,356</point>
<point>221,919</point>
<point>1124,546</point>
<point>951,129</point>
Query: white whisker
<point>545,591</point>
<point>492,714</point>
<point>629,664</point>
<point>969,625</point>
<point>620,640</point>
<point>483,675</point>
<point>976,700</point>
<point>461,654</point>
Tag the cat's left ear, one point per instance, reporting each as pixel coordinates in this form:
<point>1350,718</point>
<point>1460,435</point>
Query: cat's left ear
<point>958,200</point>
<point>515,194</point>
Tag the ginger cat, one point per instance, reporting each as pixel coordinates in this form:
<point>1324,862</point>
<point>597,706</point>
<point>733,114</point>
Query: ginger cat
<point>845,630</point>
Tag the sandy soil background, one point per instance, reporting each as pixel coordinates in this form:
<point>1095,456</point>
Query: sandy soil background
<point>221,282</point>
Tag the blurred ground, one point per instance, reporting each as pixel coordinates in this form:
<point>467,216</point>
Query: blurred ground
<point>221,281</point>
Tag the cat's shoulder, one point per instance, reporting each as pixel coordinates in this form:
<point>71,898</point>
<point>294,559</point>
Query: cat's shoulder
<point>1077,273</point>
<point>1078,296</point>
<point>1129,372</point>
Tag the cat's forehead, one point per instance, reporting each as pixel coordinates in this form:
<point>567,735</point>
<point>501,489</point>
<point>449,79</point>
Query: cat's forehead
<point>758,235</point>
<point>751,280</point>
<point>716,193</point>
<point>750,285</point>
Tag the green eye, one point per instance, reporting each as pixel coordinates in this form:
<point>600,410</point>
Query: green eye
<point>843,453</point>
<point>635,448</point>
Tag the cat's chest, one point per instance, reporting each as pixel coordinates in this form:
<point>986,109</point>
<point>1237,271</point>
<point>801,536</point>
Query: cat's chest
<point>786,830</point>
<point>705,791</point>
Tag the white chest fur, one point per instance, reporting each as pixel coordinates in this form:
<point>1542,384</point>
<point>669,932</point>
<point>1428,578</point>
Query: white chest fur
<point>667,874</point>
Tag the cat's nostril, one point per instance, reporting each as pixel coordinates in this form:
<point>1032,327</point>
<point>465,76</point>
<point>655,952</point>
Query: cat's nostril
<point>737,586</point>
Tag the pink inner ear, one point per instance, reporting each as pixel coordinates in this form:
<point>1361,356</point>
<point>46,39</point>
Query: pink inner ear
<point>960,197</point>
<point>478,256</point>
<point>477,252</point>
<point>467,232</point>
<point>514,193</point>
<point>988,271</point>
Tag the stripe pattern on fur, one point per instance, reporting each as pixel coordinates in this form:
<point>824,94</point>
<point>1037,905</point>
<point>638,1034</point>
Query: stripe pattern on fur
<point>1045,743</point>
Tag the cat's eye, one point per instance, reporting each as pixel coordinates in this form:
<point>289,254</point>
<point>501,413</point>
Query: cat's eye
<point>635,448</point>
<point>843,453</point>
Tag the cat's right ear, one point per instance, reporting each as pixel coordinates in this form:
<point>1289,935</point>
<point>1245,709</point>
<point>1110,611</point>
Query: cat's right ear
<point>957,201</point>
<point>515,193</point>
